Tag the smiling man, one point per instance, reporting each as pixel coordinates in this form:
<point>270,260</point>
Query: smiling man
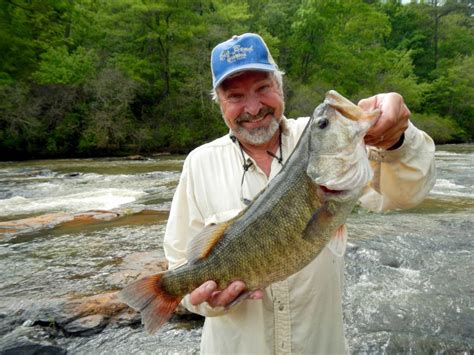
<point>302,314</point>
<point>252,107</point>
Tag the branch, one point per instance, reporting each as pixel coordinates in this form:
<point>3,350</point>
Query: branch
<point>20,6</point>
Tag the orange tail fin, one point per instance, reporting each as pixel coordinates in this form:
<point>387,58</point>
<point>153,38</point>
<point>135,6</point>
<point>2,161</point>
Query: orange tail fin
<point>155,304</point>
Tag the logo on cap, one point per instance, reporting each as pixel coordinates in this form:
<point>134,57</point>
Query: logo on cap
<point>237,52</point>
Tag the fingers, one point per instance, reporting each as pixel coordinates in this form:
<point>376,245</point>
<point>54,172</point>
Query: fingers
<point>393,120</point>
<point>256,295</point>
<point>208,292</point>
<point>227,295</point>
<point>202,293</point>
<point>387,136</point>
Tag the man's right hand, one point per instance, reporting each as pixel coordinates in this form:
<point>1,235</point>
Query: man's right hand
<point>208,292</point>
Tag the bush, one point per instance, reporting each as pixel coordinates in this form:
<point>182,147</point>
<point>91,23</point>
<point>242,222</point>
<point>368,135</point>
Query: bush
<point>441,129</point>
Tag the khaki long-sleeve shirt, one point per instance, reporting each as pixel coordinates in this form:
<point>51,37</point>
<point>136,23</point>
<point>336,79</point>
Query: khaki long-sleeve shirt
<point>302,314</point>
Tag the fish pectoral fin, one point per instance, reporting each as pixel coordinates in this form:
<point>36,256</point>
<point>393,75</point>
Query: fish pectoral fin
<point>202,244</point>
<point>318,224</point>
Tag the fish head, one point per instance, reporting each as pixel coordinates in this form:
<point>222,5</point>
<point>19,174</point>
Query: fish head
<point>337,154</point>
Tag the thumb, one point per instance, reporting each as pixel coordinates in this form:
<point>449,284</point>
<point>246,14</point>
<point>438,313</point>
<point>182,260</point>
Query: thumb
<point>368,104</point>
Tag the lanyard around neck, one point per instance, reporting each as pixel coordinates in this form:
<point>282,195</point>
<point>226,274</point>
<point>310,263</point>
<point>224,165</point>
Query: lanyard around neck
<point>247,163</point>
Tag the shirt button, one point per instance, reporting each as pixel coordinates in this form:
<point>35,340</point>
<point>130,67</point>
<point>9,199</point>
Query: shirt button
<point>281,307</point>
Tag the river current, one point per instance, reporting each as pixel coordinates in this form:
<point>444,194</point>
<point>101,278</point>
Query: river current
<point>409,281</point>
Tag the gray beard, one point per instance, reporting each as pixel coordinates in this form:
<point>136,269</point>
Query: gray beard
<point>259,135</point>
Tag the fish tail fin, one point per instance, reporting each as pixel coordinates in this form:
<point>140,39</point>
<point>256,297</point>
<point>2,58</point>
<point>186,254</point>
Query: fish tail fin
<point>154,303</point>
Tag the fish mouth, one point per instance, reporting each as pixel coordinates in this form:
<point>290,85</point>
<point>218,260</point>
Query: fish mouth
<point>332,192</point>
<point>348,109</point>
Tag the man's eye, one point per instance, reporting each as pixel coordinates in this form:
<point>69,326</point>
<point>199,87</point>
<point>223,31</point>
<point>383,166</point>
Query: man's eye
<point>234,97</point>
<point>264,88</point>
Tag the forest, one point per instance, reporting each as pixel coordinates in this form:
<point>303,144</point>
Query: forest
<point>84,78</point>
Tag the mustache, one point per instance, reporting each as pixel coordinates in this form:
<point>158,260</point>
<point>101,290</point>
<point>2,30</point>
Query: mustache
<point>246,117</point>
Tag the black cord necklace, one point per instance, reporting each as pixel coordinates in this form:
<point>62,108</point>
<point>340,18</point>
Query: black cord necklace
<point>247,163</point>
<point>280,158</point>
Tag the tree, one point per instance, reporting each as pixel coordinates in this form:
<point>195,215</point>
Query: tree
<point>341,45</point>
<point>29,29</point>
<point>453,92</point>
<point>437,11</point>
<point>109,120</point>
<point>111,77</point>
<point>58,66</point>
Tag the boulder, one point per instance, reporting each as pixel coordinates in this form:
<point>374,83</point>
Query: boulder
<point>136,157</point>
<point>106,304</point>
<point>137,265</point>
<point>34,349</point>
<point>29,340</point>
<point>86,326</point>
<point>31,224</point>
<point>51,220</point>
<point>85,316</point>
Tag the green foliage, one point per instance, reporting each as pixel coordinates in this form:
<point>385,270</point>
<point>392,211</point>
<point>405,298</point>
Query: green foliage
<point>118,77</point>
<point>57,66</point>
<point>109,120</point>
<point>412,30</point>
<point>19,126</point>
<point>457,37</point>
<point>452,92</point>
<point>442,130</point>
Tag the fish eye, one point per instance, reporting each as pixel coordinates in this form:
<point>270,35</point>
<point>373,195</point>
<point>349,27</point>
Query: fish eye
<point>323,122</point>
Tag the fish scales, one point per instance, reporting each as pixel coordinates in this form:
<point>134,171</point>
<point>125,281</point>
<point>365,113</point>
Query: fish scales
<point>256,256</point>
<point>283,229</point>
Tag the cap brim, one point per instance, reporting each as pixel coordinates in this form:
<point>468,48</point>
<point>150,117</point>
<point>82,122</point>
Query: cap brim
<point>245,67</point>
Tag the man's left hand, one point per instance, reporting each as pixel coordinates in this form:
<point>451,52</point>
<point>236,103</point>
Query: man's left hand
<point>393,120</point>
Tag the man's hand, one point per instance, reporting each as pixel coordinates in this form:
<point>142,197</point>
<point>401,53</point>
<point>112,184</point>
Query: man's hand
<point>207,292</point>
<point>392,123</point>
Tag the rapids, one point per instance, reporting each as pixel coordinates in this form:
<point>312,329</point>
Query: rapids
<point>408,283</point>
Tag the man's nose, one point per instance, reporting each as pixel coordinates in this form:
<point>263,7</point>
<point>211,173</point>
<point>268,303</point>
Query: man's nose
<point>253,105</point>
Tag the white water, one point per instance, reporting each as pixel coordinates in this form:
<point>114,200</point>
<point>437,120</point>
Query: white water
<point>53,187</point>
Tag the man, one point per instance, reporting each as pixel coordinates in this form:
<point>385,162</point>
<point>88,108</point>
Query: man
<point>302,314</point>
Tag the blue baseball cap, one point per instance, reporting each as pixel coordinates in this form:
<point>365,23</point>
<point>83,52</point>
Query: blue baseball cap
<point>240,53</point>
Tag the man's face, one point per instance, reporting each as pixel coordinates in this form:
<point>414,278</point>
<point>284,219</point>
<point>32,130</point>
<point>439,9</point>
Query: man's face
<point>252,106</point>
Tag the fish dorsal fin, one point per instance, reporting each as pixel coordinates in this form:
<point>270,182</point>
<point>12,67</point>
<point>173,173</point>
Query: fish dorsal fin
<point>348,109</point>
<point>203,243</point>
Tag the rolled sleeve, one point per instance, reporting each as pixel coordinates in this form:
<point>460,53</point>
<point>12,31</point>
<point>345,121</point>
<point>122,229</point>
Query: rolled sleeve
<point>402,177</point>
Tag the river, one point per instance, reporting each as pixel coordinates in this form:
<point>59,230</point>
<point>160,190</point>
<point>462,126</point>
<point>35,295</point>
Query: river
<point>409,281</point>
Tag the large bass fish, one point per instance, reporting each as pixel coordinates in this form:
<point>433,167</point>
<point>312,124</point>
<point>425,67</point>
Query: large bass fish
<point>285,227</point>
